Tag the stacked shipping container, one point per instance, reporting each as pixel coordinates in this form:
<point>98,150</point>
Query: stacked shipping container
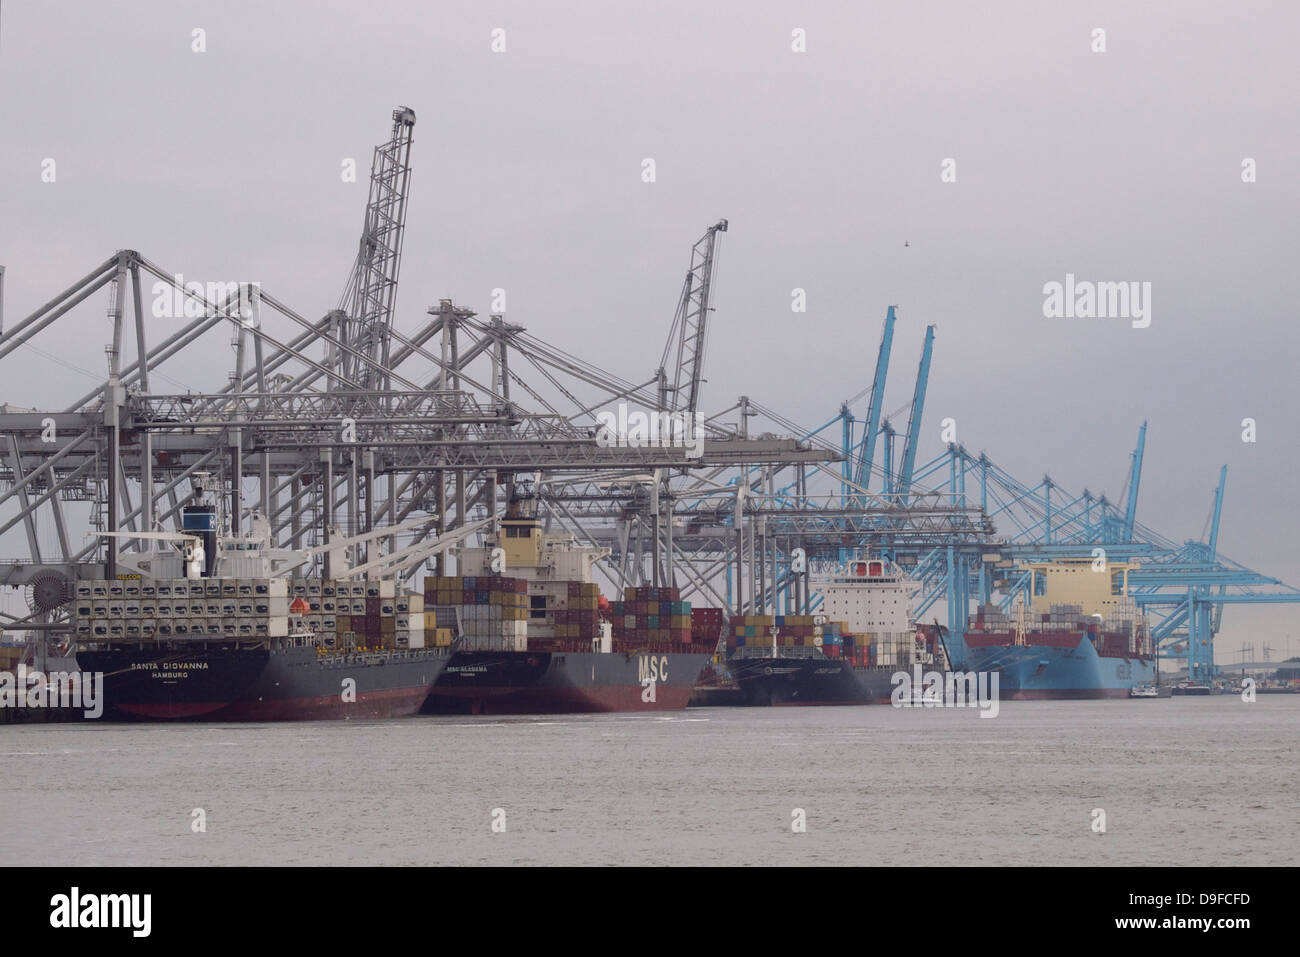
<point>489,612</point>
<point>706,626</point>
<point>344,614</point>
<point>648,615</point>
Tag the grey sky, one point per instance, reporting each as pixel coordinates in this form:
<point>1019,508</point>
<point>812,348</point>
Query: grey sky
<point>1123,165</point>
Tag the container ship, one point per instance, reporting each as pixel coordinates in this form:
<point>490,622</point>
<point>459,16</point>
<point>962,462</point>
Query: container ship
<point>231,642</point>
<point>1082,636</point>
<point>533,635</point>
<point>848,655</point>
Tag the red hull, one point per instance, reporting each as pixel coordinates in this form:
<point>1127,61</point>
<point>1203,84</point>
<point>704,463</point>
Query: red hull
<point>827,704</point>
<point>395,703</point>
<point>557,700</point>
<point>1064,694</point>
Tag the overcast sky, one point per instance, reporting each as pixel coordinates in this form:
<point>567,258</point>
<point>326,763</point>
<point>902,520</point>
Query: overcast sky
<point>1114,166</point>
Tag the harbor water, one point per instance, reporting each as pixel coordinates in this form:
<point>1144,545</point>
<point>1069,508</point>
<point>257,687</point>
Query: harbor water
<point>1187,781</point>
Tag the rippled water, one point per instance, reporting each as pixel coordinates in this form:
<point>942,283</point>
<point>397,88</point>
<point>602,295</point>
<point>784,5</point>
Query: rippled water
<point>1182,781</point>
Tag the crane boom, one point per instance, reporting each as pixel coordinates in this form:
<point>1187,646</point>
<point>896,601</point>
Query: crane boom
<point>914,418</point>
<point>871,428</point>
<point>371,294</point>
<point>1135,479</point>
<point>690,327</point>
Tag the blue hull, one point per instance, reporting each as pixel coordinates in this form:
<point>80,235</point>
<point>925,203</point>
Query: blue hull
<point>1043,671</point>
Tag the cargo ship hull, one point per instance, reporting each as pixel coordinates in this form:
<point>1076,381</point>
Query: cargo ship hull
<point>536,682</point>
<point>259,683</point>
<point>1045,672</point>
<point>812,680</point>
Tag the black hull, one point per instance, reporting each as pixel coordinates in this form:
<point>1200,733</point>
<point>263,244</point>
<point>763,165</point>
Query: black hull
<point>214,681</point>
<point>528,682</point>
<point>810,681</point>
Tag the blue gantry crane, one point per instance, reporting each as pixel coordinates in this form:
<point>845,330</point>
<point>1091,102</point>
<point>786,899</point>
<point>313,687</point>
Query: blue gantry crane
<point>1182,587</point>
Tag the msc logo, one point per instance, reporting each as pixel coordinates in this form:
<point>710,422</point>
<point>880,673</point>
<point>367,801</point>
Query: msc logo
<point>652,668</point>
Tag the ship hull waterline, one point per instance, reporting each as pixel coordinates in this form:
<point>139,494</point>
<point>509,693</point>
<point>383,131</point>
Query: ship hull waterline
<point>260,684</point>
<point>527,682</point>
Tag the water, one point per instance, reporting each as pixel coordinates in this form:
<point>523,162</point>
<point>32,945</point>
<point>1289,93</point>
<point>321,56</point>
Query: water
<point>1182,781</point>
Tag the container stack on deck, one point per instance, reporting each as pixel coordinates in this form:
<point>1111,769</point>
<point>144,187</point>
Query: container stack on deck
<point>575,612</point>
<point>706,626</point>
<point>364,614</point>
<point>990,617</point>
<point>750,631</point>
<point>652,615</point>
<point>797,631</point>
<point>488,612</point>
<point>563,616</point>
<point>346,615</point>
<point>136,609</point>
<point>830,638</point>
